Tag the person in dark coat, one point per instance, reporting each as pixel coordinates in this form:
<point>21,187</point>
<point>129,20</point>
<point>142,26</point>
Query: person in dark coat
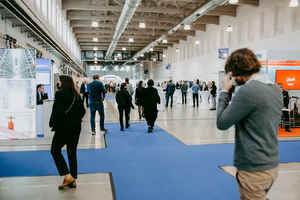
<point>184,89</point>
<point>139,98</point>
<point>123,100</point>
<point>41,95</point>
<point>170,92</point>
<point>65,120</point>
<point>84,92</point>
<point>150,101</point>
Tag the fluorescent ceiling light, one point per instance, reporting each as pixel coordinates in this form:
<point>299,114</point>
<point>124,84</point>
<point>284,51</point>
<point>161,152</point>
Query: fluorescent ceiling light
<point>142,25</point>
<point>95,24</point>
<point>165,41</point>
<point>95,39</point>
<point>130,40</point>
<point>95,48</point>
<point>197,42</point>
<point>164,55</point>
<point>134,59</point>
<point>142,55</point>
<point>294,3</point>
<point>177,50</point>
<point>124,49</point>
<point>229,29</point>
<point>141,65</point>
<point>151,49</point>
<point>187,27</point>
<point>154,59</point>
<point>116,58</point>
<point>233,1</point>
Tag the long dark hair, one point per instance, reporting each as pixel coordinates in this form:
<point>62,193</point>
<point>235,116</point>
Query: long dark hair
<point>67,84</point>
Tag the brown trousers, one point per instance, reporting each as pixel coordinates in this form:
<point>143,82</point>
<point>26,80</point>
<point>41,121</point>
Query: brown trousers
<point>255,185</point>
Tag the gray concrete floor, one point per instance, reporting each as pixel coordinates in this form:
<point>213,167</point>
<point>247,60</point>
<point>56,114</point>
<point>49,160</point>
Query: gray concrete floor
<point>286,187</point>
<point>89,186</point>
<point>189,125</point>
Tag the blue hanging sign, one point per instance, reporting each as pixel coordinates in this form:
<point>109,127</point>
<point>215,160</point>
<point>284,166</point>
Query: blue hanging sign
<point>168,66</point>
<point>223,53</point>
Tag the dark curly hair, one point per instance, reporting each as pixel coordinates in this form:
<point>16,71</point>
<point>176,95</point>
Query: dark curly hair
<point>242,62</point>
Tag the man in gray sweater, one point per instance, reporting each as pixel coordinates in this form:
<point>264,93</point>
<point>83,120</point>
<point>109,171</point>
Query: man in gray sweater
<point>255,111</point>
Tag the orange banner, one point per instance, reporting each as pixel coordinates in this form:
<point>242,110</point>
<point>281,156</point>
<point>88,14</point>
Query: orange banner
<point>263,62</point>
<point>290,79</point>
<point>283,63</point>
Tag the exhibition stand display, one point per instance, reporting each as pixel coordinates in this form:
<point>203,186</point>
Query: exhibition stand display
<point>17,94</point>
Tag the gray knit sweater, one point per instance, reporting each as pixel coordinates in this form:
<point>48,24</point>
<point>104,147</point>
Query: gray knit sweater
<point>255,110</point>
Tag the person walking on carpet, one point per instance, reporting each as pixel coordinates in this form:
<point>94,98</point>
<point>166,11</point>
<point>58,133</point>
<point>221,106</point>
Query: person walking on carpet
<point>124,102</point>
<point>150,101</point>
<point>139,99</point>
<point>97,96</point>
<point>65,120</point>
<point>256,119</point>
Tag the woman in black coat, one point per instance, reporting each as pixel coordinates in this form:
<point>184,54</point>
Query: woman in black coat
<point>65,120</point>
<point>139,98</point>
<point>123,100</point>
<point>150,101</point>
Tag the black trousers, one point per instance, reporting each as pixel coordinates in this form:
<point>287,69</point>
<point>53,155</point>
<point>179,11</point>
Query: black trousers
<point>184,97</point>
<point>86,97</point>
<point>286,118</point>
<point>68,133</point>
<point>125,110</point>
<point>195,96</point>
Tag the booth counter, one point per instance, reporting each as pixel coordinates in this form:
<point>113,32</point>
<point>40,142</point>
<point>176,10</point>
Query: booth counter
<point>42,119</point>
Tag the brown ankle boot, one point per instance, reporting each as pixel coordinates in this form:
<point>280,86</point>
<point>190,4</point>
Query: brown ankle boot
<point>66,183</point>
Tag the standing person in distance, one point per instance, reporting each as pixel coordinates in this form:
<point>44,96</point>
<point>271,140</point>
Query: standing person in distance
<point>65,120</point>
<point>203,87</point>
<point>195,89</point>
<point>286,101</point>
<point>256,119</point>
<point>97,96</point>
<point>139,99</point>
<point>170,92</point>
<point>124,103</point>
<point>209,89</point>
<point>150,101</point>
<point>213,92</point>
<point>184,89</point>
<point>84,93</point>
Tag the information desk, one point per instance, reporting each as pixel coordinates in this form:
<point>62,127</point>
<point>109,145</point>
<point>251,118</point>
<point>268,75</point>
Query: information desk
<point>43,113</point>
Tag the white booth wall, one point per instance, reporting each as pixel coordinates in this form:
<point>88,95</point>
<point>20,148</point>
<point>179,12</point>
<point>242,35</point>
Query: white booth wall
<point>273,25</point>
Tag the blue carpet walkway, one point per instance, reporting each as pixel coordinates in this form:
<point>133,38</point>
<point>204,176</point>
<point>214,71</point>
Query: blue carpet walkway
<point>148,166</point>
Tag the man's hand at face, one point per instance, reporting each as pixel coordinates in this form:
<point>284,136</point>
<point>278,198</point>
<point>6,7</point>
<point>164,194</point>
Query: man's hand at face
<point>227,83</point>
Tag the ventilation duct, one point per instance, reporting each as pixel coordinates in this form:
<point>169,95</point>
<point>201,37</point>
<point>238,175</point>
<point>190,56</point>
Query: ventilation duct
<point>125,17</point>
<point>197,13</point>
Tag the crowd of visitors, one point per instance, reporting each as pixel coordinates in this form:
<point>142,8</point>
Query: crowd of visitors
<point>256,154</point>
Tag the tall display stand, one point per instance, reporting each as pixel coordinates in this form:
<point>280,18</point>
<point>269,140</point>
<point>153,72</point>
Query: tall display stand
<point>17,94</point>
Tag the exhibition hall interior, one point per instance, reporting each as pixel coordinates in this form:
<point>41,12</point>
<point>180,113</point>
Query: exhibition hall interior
<point>176,49</point>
